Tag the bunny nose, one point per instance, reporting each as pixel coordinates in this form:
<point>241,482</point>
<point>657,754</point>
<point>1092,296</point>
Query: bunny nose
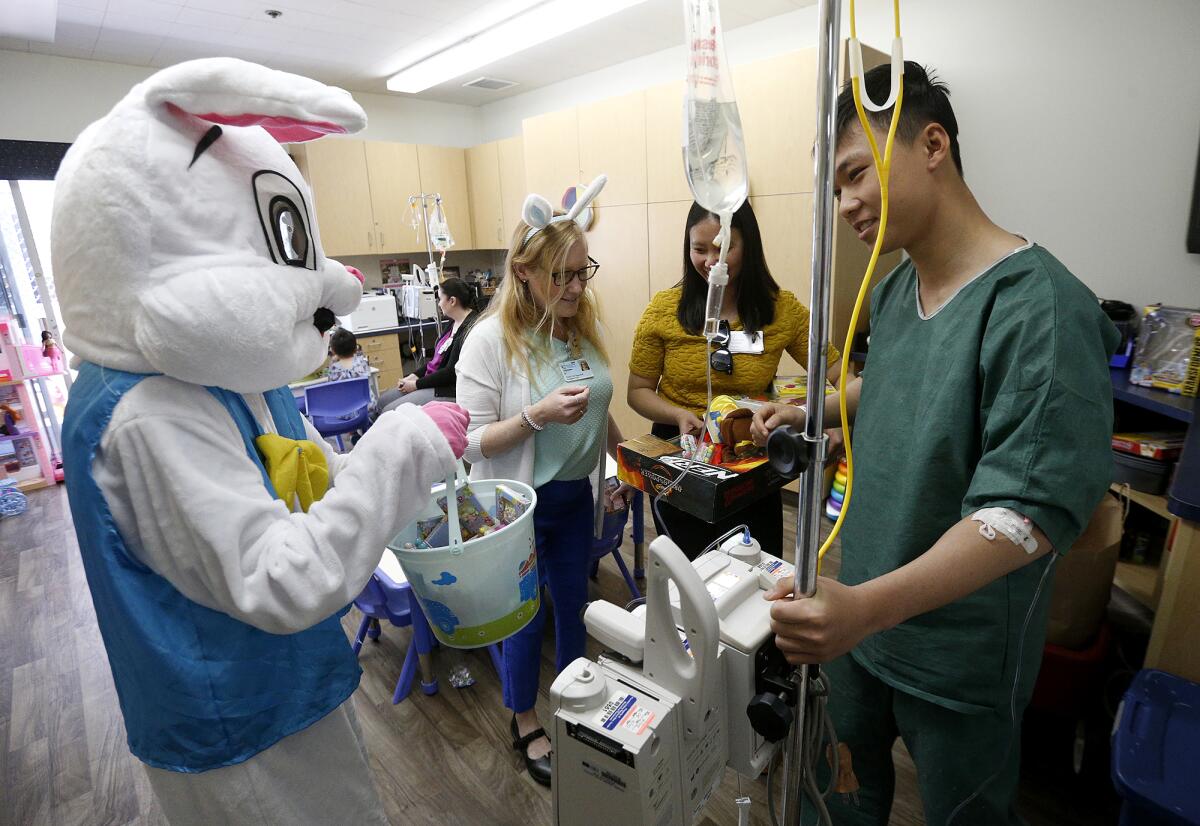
<point>357,274</point>
<point>324,319</point>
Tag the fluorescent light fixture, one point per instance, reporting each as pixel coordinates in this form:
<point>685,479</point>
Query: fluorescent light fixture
<point>519,32</point>
<point>28,19</point>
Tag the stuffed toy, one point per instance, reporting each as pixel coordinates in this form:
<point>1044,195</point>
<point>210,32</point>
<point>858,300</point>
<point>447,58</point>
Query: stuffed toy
<point>221,536</point>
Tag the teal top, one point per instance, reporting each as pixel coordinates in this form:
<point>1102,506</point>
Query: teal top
<point>565,452</point>
<point>1000,398</point>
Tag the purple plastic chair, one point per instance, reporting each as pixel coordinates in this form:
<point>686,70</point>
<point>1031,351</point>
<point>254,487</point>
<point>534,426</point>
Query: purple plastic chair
<point>383,598</point>
<point>610,543</point>
<point>339,407</point>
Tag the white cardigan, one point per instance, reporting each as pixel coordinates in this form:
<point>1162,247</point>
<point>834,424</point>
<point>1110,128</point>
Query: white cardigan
<point>491,391</point>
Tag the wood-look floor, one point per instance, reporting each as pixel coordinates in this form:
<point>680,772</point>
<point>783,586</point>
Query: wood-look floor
<point>441,759</point>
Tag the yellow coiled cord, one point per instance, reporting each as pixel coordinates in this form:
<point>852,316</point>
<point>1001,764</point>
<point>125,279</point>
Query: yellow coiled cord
<point>883,168</point>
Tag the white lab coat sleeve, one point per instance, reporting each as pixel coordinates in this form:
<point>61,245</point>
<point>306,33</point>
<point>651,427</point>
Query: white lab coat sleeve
<point>192,506</point>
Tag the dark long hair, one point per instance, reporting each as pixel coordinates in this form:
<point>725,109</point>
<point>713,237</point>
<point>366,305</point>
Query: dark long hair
<point>454,287</point>
<point>756,289</point>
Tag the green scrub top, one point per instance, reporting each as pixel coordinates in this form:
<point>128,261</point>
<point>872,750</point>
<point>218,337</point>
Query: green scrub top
<point>1001,398</point>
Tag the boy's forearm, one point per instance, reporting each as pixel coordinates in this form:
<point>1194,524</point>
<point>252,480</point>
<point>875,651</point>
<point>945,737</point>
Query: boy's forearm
<point>960,563</point>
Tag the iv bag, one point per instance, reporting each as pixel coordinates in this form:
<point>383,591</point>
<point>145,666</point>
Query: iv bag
<point>714,152</point>
<point>439,228</point>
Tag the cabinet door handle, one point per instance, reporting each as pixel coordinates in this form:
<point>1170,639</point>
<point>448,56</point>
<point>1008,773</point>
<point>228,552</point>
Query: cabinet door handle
<point>381,240</point>
<point>370,240</point>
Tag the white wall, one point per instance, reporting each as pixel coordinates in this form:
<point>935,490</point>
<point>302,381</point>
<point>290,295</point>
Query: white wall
<point>46,98</point>
<point>1079,120</point>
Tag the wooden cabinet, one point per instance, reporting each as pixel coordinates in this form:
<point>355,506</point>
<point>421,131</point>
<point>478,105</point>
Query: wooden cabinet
<point>665,178</point>
<point>552,153</point>
<point>777,103</point>
<point>513,188</point>
<point>496,181</point>
<point>337,173</point>
<point>392,171</point>
<point>483,184</point>
<point>383,353</point>
<point>618,241</point>
<point>612,141</point>
<point>665,241</point>
<point>444,170</point>
<point>785,222</point>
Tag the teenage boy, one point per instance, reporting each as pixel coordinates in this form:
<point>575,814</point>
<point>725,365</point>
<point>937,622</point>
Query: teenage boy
<point>981,441</point>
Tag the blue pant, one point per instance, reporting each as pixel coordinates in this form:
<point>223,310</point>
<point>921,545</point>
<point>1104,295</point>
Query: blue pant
<point>562,524</point>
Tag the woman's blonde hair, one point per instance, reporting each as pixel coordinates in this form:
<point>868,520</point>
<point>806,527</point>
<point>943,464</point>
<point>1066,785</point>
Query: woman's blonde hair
<point>520,317</point>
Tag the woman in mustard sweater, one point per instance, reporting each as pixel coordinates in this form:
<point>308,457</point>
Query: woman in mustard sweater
<point>667,366</point>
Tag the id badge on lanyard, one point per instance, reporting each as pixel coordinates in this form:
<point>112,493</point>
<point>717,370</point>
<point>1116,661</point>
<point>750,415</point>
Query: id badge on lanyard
<point>576,368</point>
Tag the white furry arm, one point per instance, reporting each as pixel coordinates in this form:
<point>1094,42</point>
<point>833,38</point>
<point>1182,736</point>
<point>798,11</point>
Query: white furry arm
<point>192,506</point>
<point>333,459</point>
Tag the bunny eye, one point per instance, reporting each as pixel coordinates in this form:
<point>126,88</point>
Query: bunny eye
<point>290,234</point>
<point>283,213</point>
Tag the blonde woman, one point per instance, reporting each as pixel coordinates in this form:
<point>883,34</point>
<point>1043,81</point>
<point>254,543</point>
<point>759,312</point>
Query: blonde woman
<point>534,376</point>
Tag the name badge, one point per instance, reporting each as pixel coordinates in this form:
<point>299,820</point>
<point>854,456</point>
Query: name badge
<point>575,369</point>
<point>749,343</point>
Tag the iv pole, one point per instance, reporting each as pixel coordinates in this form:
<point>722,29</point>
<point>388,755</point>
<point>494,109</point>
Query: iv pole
<point>808,514</point>
<point>423,198</point>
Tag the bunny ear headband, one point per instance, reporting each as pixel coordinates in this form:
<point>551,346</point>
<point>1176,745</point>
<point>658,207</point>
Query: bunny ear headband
<point>538,213</point>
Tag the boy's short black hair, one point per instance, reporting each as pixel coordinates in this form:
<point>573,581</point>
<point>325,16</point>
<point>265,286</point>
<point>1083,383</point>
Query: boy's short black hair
<point>926,101</point>
<point>343,343</point>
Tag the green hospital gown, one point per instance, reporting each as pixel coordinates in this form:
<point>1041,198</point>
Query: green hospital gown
<point>1001,398</point>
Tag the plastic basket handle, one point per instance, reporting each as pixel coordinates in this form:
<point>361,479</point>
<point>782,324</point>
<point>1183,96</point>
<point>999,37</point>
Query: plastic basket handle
<point>455,543</point>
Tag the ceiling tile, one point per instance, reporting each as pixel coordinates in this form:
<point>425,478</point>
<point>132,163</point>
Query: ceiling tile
<point>121,12</point>
<point>235,8</point>
<point>80,14</point>
<point>210,20</point>
<point>76,35</point>
<point>95,5</point>
<point>133,48</point>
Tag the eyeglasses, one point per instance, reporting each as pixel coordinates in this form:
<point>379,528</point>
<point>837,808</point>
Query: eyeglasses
<point>584,274</point>
<point>721,359</point>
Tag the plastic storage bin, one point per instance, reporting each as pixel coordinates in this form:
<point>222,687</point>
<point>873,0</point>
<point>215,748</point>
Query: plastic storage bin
<point>1146,475</point>
<point>1156,761</point>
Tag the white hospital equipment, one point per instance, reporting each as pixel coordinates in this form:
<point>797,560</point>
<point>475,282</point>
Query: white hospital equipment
<point>375,312</point>
<point>690,685</point>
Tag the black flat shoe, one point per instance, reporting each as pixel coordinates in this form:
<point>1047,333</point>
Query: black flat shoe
<point>538,769</point>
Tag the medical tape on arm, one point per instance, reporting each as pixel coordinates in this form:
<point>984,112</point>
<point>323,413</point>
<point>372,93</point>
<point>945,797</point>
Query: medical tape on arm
<point>1017,528</point>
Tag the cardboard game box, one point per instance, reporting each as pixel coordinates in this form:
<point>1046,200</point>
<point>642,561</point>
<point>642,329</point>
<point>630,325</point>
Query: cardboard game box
<point>1161,445</point>
<point>708,492</point>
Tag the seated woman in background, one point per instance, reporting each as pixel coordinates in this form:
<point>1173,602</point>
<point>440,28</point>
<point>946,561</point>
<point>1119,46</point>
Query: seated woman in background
<point>346,362</point>
<point>667,379</point>
<point>437,379</point>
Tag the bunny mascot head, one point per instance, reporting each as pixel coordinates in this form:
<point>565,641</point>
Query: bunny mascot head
<point>220,535</point>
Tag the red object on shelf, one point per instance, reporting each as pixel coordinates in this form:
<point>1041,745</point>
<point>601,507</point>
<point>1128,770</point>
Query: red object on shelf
<point>1068,676</point>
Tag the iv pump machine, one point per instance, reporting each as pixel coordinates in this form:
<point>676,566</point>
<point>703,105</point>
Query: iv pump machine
<point>690,683</point>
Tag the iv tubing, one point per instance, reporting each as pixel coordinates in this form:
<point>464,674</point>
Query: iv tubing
<point>883,168</point>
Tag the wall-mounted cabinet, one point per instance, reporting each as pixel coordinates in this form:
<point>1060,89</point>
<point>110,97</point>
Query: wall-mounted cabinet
<point>496,185</point>
<point>777,104</point>
<point>552,153</point>
<point>361,191</point>
<point>665,178</point>
<point>617,240</point>
<point>612,141</point>
<point>444,171</point>
<point>393,175</point>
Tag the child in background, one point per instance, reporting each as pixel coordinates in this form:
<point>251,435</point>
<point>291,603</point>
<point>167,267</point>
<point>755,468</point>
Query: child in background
<point>346,362</point>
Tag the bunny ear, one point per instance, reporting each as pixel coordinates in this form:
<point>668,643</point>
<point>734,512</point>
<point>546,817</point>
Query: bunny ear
<point>236,93</point>
<point>589,195</point>
<point>537,211</point>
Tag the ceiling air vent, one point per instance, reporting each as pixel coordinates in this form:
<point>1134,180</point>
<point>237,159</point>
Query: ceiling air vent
<point>492,84</point>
